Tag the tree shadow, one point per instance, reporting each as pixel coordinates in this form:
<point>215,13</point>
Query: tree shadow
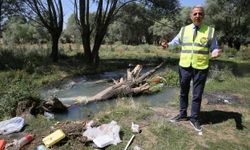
<point>217,116</point>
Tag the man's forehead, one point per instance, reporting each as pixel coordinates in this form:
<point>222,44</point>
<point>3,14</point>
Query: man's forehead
<point>197,9</point>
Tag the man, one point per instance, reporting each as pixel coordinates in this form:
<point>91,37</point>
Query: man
<point>196,40</point>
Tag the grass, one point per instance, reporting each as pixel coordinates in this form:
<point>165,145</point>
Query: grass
<point>30,71</point>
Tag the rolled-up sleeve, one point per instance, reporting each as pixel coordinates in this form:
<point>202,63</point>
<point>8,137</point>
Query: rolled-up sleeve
<point>214,44</point>
<point>176,40</point>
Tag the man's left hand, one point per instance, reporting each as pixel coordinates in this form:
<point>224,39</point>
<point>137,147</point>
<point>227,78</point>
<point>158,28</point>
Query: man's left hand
<point>216,53</point>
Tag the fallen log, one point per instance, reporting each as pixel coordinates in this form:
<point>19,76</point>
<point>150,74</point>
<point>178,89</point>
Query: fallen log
<point>53,104</point>
<point>134,83</point>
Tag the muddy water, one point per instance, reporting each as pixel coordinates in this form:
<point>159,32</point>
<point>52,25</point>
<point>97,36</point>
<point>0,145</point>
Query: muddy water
<point>90,85</point>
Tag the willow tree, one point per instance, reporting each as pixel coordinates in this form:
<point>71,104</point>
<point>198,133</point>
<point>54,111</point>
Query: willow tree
<point>50,14</point>
<point>104,15</point>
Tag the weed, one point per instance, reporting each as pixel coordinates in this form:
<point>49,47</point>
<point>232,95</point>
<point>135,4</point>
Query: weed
<point>244,53</point>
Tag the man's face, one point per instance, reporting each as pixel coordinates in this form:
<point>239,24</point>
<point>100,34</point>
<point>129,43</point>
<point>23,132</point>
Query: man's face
<point>197,16</point>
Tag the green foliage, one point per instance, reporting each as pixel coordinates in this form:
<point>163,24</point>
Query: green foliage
<point>131,25</point>
<point>156,88</point>
<point>38,124</point>
<point>168,77</point>
<point>163,29</point>
<point>146,48</point>
<point>134,21</point>
<point>231,52</point>
<point>72,33</point>
<point>9,60</point>
<point>244,53</point>
<point>20,31</point>
<point>15,86</point>
<point>171,77</point>
<point>168,28</point>
<point>231,19</point>
<point>10,8</point>
<point>216,74</point>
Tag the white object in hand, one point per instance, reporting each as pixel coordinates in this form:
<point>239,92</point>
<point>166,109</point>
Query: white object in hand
<point>215,53</point>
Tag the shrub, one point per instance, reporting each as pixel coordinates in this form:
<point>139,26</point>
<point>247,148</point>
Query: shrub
<point>171,77</point>
<point>15,86</point>
<point>244,53</point>
<point>231,52</point>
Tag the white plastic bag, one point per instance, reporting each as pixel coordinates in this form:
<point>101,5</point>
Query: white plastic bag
<point>12,125</point>
<point>103,141</point>
<point>108,132</point>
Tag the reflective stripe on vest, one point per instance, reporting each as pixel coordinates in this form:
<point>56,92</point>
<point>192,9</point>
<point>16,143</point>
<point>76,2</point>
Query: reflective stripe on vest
<point>195,53</point>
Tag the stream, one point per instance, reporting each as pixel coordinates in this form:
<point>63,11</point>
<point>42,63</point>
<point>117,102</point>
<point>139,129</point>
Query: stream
<point>92,84</point>
<point>89,85</point>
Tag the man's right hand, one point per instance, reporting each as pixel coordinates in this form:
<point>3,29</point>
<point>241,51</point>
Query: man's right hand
<point>164,44</point>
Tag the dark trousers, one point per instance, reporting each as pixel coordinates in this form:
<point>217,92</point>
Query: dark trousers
<point>199,79</point>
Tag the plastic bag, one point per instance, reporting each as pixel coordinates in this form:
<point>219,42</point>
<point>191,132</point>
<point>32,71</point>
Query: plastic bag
<point>12,125</point>
<point>109,131</point>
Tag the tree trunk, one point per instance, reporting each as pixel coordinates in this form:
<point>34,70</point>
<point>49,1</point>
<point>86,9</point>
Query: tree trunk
<point>134,83</point>
<point>237,44</point>
<point>230,42</point>
<point>1,2</point>
<point>96,48</point>
<point>86,47</point>
<point>148,38</point>
<point>54,52</point>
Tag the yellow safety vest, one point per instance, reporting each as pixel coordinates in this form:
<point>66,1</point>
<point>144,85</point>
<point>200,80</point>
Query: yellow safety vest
<point>195,53</point>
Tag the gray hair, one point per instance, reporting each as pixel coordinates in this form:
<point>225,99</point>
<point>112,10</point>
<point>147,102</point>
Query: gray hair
<point>197,6</point>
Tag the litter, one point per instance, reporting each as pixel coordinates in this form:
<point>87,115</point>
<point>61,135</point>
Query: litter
<point>103,141</point>
<point>2,144</point>
<point>42,147</point>
<point>53,138</point>
<point>131,139</point>
<point>137,148</point>
<point>23,141</point>
<point>200,133</point>
<point>12,125</point>
<point>109,133</point>
<point>48,115</point>
<point>135,128</point>
<point>81,99</point>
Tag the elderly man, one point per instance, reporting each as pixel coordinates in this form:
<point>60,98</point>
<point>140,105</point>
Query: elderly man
<point>197,40</point>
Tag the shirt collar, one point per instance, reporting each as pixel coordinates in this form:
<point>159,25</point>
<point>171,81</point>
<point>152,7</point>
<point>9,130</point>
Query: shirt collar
<point>193,26</point>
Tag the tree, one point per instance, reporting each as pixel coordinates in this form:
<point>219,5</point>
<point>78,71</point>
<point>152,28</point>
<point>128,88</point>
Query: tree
<point>168,27</point>
<point>19,30</point>
<point>9,8</point>
<point>71,33</point>
<point>231,18</point>
<point>131,21</point>
<point>104,15</point>
<point>50,14</point>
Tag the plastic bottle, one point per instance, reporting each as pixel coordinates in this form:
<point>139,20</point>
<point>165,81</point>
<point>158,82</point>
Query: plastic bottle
<point>2,144</point>
<point>49,116</point>
<point>23,141</point>
<point>42,147</point>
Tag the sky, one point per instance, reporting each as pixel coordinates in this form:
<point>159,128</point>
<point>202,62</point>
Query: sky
<point>191,3</point>
<point>69,8</point>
